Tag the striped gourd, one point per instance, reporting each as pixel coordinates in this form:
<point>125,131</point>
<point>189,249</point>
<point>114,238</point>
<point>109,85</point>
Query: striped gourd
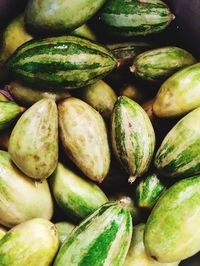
<point>179,94</point>
<point>158,64</point>
<point>148,191</point>
<point>102,239</point>
<point>138,17</point>
<point>9,111</point>
<point>172,229</point>
<point>133,137</point>
<point>77,197</point>
<point>65,62</point>
<point>179,153</point>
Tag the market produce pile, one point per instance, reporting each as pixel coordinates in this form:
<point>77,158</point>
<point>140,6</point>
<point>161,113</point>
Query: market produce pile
<point>99,137</point>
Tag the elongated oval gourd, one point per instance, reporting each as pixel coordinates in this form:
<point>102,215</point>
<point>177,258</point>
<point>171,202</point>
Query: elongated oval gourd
<point>33,144</point>
<point>61,62</point>
<point>59,16</point>
<point>172,230</point>
<point>101,97</point>
<point>101,239</point>
<point>32,243</point>
<point>133,137</point>
<point>179,153</point>
<point>64,230</point>
<point>21,198</point>
<point>179,94</point>
<point>27,96</point>
<point>84,137</point>
<point>158,64</point>
<point>133,18</point>
<point>137,255</point>
<point>148,191</point>
<point>77,197</point>
<point>9,111</point>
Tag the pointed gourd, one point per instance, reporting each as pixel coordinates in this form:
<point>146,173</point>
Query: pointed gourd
<point>33,144</point>
<point>133,137</point>
<point>84,138</point>
<point>179,153</point>
<point>101,239</point>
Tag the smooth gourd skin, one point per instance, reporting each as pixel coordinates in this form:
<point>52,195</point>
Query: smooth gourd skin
<point>133,137</point>
<point>101,239</point>
<point>77,197</point>
<point>33,144</point>
<point>21,198</point>
<point>34,242</point>
<point>61,62</point>
<point>179,94</point>
<point>101,97</point>
<point>59,16</point>
<point>137,254</point>
<point>179,153</point>
<point>84,138</point>
<point>172,230</point>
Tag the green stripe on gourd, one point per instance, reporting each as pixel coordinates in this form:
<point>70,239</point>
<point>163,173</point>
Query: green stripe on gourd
<point>67,61</point>
<point>179,153</point>
<point>77,197</point>
<point>133,137</point>
<point>158,64</point>
<point>102,239</point>
<point>132,18</point>
<point>179,94</point>
<point>148,191</point>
